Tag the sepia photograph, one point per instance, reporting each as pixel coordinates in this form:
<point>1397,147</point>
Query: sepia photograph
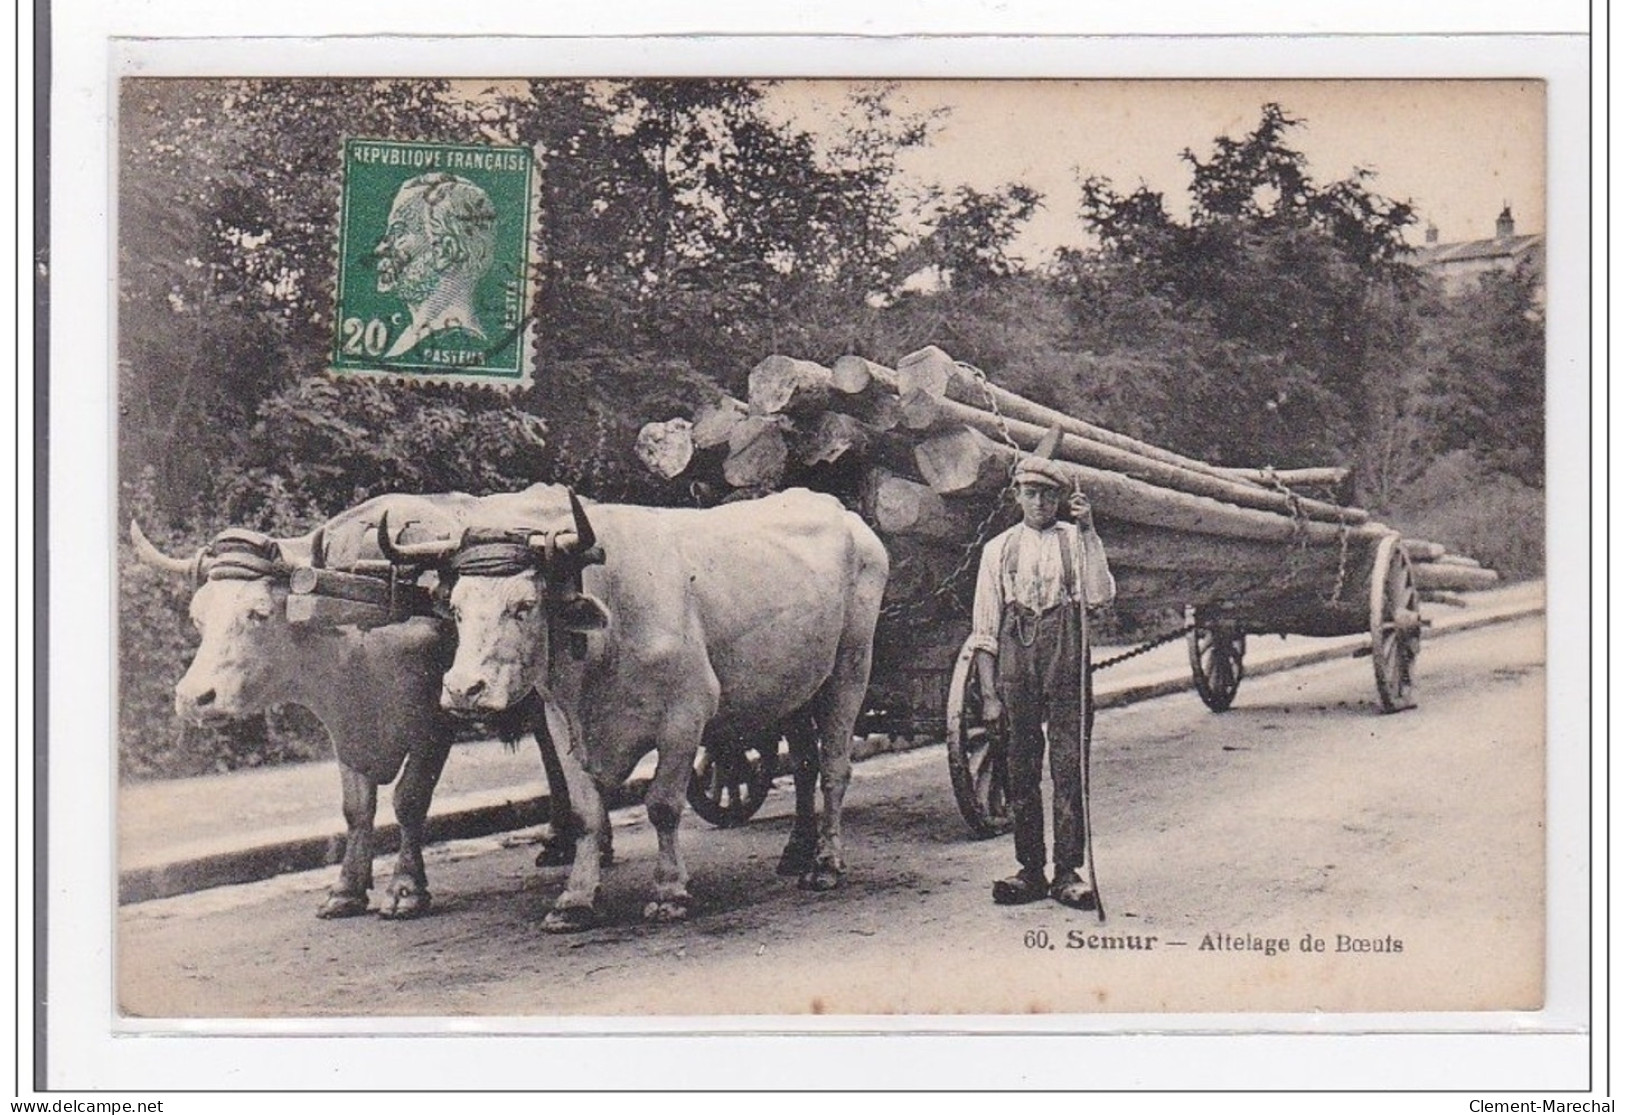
<point>639,547</point>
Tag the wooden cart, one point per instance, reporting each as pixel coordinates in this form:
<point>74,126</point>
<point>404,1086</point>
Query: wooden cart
<point>1376,594</point>
<point>924,451</point>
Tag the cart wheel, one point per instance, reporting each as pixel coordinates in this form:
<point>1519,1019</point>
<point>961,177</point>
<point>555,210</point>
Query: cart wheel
<point>1396,625</point>
<point>731,781</point>
<point>976,755</point>
<point>1216,652</point>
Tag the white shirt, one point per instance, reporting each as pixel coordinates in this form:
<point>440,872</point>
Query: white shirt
<point>1039,578</point>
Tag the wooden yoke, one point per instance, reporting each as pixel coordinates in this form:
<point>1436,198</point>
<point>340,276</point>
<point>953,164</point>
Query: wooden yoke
<point>369,597</point>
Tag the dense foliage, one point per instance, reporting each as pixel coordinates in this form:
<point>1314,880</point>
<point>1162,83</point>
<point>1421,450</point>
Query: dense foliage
<point>687,232</point>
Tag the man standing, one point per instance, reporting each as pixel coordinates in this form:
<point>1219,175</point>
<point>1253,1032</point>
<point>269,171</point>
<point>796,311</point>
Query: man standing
<point>1029,628</point>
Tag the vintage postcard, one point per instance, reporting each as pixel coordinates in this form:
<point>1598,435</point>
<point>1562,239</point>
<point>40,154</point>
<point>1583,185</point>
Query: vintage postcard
<point>935,548</point>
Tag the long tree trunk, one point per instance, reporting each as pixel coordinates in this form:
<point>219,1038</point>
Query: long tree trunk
<point>1437,576</point>
<point>1122,497</point>
<point>1086,452</point>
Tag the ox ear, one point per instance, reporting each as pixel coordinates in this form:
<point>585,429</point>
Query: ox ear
<point>582,613</point>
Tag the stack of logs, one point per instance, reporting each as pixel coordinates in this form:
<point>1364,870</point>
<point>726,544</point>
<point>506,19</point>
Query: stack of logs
<point>922,451</point>
<point>1439,575</point>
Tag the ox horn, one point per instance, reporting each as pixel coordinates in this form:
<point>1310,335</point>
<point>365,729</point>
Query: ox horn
<point>153,556</point>
<point>416,553</point>
<point>585,538</point>
<point>583,542</point>
<point>587,549</point>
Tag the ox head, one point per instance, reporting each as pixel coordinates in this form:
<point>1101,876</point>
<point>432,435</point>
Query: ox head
<point>246,645</point>
<point>514,595</point>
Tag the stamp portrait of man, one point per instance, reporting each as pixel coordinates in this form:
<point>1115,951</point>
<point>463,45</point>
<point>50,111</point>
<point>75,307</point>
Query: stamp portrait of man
<point>437,247</point>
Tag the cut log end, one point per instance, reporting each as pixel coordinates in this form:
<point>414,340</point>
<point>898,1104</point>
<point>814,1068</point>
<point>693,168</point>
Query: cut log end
<point>784,385</point>
<point>715,421</point>
<point>899,506</point>
<point>963,462</point>
<point>757,453</point>
<point>853,375</point>
<point>834,436</point>
<point>665,448</point>
<point>1418,550</point>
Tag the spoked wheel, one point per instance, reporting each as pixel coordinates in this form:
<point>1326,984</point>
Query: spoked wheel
<point>976,754</point>
<point>1216,651</point>
<point>731,780</point>
<point>1396,626</point>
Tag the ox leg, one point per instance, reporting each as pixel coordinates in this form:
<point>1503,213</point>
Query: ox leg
<point>559,848</point>
<point>408,893</point>
<point>836,709</point>
<point>349,897</point>
<point>576,908</point>
<point>664,801</point>
<point>802,849</point>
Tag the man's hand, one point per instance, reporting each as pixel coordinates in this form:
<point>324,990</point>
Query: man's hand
<point>992,708</point>
<point>1082,513</point>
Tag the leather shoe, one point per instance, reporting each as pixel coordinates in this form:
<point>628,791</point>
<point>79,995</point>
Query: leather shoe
<point>1069,890</point>
<point>1021,888</point>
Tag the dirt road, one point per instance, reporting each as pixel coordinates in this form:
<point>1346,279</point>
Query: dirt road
<point>1410,847</point>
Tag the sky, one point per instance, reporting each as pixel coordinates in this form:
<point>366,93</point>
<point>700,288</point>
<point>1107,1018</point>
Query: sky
<point>1459,150</point>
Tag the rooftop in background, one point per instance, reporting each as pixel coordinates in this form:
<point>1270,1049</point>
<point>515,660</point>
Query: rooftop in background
<point>1459,264</point>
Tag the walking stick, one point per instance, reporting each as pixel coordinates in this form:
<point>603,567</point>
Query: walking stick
<point>1086,718</point>
<point>1086,730</point>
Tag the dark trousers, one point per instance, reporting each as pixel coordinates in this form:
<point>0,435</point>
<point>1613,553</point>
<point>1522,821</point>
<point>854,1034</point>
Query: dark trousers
<point>1039,676</point>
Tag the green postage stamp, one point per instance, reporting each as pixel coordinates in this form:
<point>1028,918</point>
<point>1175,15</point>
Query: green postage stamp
<point>434,262</point>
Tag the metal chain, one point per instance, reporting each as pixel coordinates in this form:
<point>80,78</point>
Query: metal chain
<point>1342,560</point>
<point>1294,504</point>
<point>993,407</point>
<point>972,553</point>
<point>1300,531</point>
<point>1144,648</point>
<point>983,530</point>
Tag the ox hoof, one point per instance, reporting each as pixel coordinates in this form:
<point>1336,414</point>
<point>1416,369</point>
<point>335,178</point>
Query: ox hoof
<point>343,906</point>
<point>556,853</point>
<point>405,901</point>
<point>666,910</point>
<point>569,919</point>
<point>796,860</point>
<point>820,877</point>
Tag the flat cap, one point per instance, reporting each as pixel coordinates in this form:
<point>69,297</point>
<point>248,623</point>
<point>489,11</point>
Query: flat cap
<point>1039,470</point>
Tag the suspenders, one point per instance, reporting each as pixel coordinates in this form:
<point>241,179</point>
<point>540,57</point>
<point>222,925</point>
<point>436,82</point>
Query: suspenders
<point>1069,573</point>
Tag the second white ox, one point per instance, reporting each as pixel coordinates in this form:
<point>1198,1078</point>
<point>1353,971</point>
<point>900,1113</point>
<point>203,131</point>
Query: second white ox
<point>374,683</point>
<point>642,628</point>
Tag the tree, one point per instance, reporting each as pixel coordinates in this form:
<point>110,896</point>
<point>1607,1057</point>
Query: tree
<point>1256,327</point>
<point>968,245</point>
<point>1486,392</point>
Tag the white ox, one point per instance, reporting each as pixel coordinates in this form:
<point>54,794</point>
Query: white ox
<point>644,628</point>
<point>375,686</point>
